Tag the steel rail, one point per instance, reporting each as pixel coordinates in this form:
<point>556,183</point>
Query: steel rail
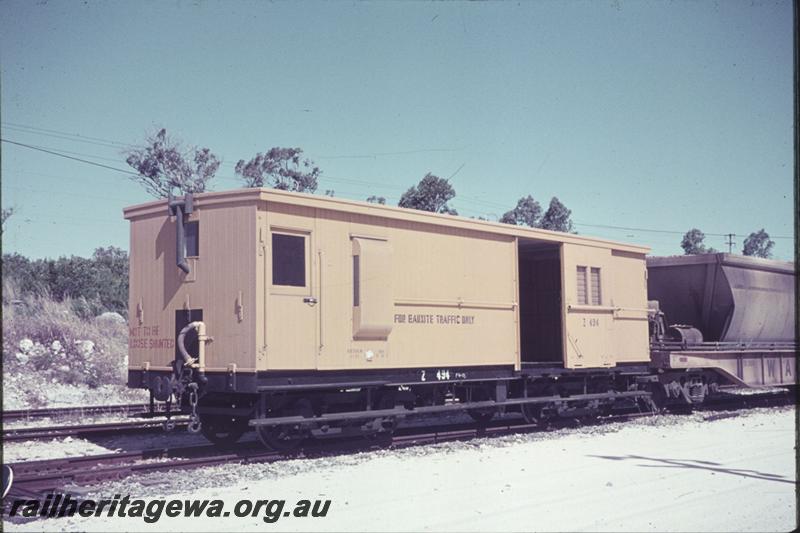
<point>85,430</point>
<point>64,412</point>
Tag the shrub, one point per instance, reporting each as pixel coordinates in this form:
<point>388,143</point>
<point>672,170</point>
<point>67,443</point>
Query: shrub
<point>93,285</point>
<point>46,342</point>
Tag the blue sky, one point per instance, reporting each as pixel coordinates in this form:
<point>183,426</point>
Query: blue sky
<point>646,115</point>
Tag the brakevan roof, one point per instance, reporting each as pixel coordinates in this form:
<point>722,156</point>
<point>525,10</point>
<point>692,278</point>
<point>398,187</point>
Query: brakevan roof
<point>159,207</point>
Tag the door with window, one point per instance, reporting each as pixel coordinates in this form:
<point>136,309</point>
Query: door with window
<point>589,316</point>
<point>292,308</point>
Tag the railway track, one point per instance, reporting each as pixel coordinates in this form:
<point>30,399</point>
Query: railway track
<point>75,412</point>
<point>71,474</point>
<point>88,430</point>
<point>66,474</point>
<point>49,475</point>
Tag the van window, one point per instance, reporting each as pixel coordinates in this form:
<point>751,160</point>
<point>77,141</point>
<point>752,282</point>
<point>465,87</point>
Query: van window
<point>288,260</point>
<point>191,230</point>
<point>595,283</point>
<point>583,297</point>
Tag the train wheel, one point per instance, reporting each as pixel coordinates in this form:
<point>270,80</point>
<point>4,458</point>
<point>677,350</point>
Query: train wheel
<point>287,438</point>
<point>481,416</point>
<point>221,429</point>
<point>388,401</point>
<point>532,413</point>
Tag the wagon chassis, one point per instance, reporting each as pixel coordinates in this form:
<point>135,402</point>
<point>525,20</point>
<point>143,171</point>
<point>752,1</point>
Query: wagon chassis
<point>436,409</point>
<point>320,404</point>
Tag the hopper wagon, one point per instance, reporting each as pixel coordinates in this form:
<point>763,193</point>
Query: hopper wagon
<point>732,315</point>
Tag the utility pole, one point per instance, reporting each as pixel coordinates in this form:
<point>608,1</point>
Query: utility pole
<point>730,242</point>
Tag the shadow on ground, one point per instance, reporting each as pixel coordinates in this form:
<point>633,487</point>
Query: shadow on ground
<point>696,464</point>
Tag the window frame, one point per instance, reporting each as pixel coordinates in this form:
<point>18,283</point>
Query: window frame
<point>588,285</point>
<point>276,288</point>
<point>186,225</point>
<point>599,295</point>
<point>585,282</point>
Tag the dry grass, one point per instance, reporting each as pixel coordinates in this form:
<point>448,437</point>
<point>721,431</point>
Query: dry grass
<point>60,353</point>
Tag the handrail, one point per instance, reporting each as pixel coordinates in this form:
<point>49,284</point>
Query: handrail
<point>591,308</point>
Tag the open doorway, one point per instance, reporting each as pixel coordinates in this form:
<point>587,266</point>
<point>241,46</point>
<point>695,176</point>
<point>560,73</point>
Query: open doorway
<point>540,302</point>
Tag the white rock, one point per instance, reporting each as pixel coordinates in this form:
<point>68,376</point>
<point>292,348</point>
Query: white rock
<point>56,346</point>
<point>22,357</point>
<point>110,316</point>
<point>85,348</point>
<point>25,345</point>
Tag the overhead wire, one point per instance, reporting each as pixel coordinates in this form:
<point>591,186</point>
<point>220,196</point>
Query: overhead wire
<point>353,181</point>
<point>381,154</point>
<point>82,138</point>
<point>70,136</point>
<point>67,193</point>
<point>51,152</point>
<point>672,232</point>
<point>94,156</point>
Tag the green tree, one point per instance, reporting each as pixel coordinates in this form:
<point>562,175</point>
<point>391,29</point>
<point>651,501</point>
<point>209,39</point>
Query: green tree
<point>164,164</point>
<point>30,277</point>
<point>692,243</point>
<point>527,213</point>
<point>557,217</point>
<point>431,194</point>
<point>758,244</point>
<point>377,200</point>
<point>280,168</point>
<point>111,266</point>
<point>96,284</point>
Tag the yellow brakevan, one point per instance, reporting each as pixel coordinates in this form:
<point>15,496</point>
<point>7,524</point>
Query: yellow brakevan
<point>297,292</point>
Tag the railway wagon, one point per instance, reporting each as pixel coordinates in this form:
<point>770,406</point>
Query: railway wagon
<point>271,307</point>
<point>742,316</point>
<point>728,297</point>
